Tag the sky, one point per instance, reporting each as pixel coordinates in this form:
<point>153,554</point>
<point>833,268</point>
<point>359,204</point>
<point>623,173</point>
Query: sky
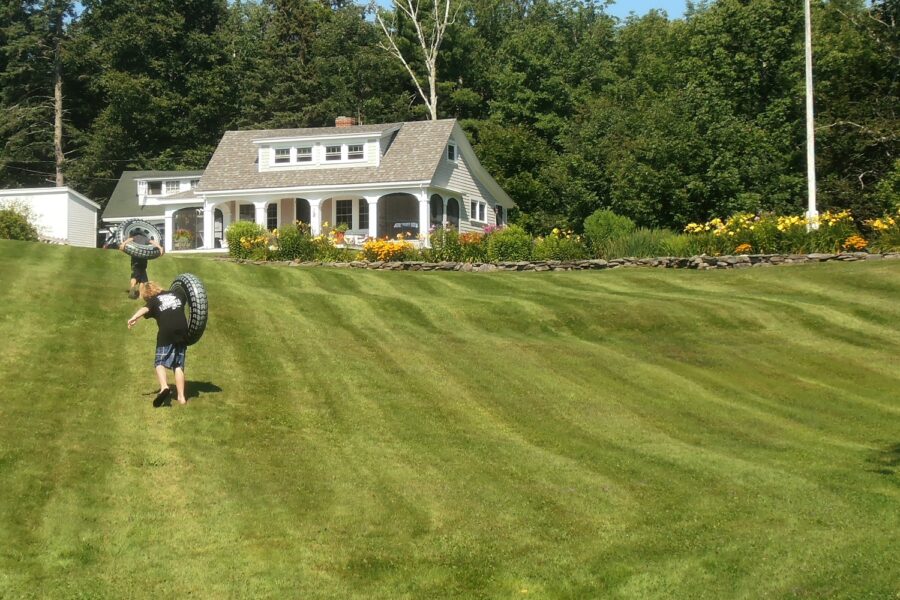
<point>674,8</point>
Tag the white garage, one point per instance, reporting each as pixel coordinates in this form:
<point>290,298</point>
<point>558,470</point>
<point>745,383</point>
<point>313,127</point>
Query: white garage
<point>61,214</point>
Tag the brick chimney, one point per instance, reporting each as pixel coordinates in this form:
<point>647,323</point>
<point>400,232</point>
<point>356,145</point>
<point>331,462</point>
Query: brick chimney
<point>344,122</point>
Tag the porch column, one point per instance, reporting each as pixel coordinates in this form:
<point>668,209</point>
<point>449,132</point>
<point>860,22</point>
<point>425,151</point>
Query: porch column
<point>373,216</point>
<point>424,209</point>
<point>169,223</point>
<point>444,220</point>
<point>315,215</point>
<point>261,214</point>
<point>209,219</point>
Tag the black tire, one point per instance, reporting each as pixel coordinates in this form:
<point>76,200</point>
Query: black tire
<point>133,227</point>
<point>191,289</point>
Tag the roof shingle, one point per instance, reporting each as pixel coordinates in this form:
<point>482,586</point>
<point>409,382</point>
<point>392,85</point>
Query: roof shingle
<point>413,156</point>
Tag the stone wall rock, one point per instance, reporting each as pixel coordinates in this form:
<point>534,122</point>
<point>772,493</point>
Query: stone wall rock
<point>701,263</point>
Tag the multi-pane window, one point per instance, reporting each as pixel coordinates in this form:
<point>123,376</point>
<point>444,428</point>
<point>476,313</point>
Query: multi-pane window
<point>272,216</point>
<point>363,213</point>
<point>195,183</point>
<point>282,156</point>
<point>304,154</point>
<point>451,152</point>
<point>171,187</point>
<point>154,188</point>
<point>343,213</point>
<point>355,152</point>
<point>247,213</point>
<point>332,153</point>
<point>477,211</point>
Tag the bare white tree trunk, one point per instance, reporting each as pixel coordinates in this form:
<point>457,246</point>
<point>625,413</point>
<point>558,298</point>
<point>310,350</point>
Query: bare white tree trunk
<point>429,35</point>
<point>58,104</point>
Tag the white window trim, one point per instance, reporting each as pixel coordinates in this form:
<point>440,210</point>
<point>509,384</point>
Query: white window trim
<point>290,157</point>
<point>479,206</point>
<point>453,145</point>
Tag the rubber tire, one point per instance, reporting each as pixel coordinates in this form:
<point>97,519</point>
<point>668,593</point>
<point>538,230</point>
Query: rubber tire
<point>132,226</point>
<point>191,288</point>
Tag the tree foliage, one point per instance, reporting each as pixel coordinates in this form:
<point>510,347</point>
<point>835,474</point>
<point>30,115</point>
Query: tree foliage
<point>664,121</point>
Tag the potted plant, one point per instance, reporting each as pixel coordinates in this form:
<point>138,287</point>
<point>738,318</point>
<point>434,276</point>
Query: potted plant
<point>183,239</point>
<point>339,232</point>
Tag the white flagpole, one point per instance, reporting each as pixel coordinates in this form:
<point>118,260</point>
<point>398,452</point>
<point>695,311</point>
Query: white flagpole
<point>812,214</point>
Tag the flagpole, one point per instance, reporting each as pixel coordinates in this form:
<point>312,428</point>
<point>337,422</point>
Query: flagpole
<point>811,214</point>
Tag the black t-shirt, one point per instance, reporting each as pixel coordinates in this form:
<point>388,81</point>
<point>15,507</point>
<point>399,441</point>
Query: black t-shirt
<point>138,264</point>
<point>168,310</point>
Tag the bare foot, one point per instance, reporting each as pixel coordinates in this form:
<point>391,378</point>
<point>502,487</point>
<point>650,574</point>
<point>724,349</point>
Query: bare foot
<point>182,401</point>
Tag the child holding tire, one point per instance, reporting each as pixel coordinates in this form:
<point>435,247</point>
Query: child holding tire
<point>171,340</point>
<point>139,264</point>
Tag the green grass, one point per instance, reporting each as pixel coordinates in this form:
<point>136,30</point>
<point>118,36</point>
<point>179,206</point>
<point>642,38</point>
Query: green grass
<point>620,434</point>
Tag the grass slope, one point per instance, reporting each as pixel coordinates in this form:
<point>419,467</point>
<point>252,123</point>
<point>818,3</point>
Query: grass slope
<point>623,434</point>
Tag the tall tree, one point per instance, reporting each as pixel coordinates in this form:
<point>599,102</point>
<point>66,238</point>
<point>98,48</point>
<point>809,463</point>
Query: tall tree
<point>34,35</point>
<point>429,24</point>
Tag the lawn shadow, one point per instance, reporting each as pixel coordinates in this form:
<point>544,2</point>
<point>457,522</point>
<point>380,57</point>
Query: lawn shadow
<point>197,388</point>
<point>886,460</point>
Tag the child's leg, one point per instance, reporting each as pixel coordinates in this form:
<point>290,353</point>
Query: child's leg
<point>179,384</point>
<point>161,375</point>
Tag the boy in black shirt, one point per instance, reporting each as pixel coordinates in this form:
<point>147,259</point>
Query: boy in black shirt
<point>139,265</point>
<point>168,310</point>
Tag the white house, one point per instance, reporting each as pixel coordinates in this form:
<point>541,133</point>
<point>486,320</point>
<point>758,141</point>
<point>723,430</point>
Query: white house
<point>61,213</point>
<point>377,180</point>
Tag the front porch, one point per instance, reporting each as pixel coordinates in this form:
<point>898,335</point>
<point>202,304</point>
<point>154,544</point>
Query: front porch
<point>365,214</point>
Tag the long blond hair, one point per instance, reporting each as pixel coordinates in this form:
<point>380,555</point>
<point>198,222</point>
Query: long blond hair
<point>149,290</point>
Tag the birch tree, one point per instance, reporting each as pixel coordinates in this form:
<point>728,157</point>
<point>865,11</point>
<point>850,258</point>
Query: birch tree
<point>429,21</point>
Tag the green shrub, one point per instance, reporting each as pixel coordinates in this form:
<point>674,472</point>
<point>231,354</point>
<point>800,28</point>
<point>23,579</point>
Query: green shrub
<point>295,242</point>
<point>243,238</point>
<point>559,246</point>
<point>509,244</point>
<point>640,243</point>
<point>15,223</point>
<point>604,225</point>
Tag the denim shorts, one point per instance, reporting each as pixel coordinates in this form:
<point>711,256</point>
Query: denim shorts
<point>139,275</point>
<point>171,356</point>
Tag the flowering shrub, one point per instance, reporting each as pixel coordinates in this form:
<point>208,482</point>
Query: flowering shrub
<point>386,250</point>
<point>472,247</point>
<point>768,233</point>
<point>295,242</point>
<point>559,246</point>
<point>238,234</point>
<point>886,232</point>
<point>855,243</point>
<point>444,245</point>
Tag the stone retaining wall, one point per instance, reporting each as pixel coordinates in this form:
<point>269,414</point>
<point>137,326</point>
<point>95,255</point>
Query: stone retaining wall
<point>741,261</point>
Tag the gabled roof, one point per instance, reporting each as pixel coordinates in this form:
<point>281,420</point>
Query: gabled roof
<point>413,155</point>
<point>124,200</point>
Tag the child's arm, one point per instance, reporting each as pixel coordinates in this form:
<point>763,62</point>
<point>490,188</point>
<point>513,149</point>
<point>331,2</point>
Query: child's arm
<point>160,248</point>
<point>122,245</point>
<point>134,318</point>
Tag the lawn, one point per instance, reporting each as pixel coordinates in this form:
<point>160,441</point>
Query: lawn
<point>619,434</point>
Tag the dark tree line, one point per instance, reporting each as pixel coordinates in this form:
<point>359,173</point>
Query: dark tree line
<point>666,121</point>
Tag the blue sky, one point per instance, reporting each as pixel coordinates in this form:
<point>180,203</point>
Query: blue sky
<point>674,8</point>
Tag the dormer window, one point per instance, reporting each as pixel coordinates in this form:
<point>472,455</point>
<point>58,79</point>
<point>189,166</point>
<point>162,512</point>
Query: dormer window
<point>282,156</point>
<point>451,152</point>
<point>304,154</point>
<point>171,187</point>
<point>195,183</point>
<point>332,153</point>
<point>355,152</point>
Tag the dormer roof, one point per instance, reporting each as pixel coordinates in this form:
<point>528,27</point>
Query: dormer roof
<point>413,155</point>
